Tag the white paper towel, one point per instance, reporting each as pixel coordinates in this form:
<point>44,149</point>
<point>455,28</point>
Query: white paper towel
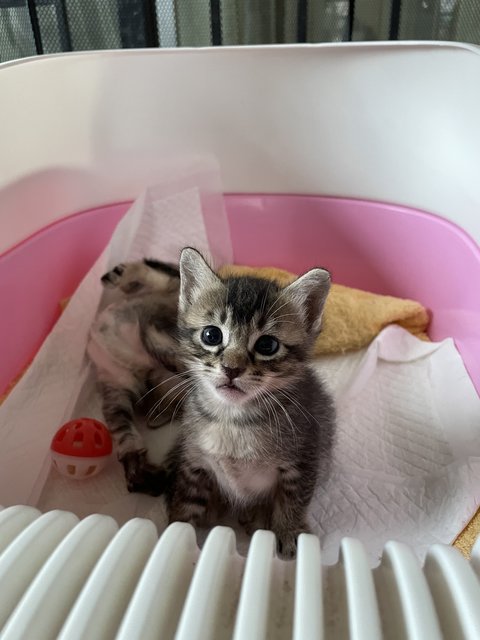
<point>407,463</point>
<point>407,459</point>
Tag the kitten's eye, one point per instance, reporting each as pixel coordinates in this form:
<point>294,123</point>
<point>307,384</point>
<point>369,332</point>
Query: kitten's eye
<point>212,336</point>
<point>267,345</point>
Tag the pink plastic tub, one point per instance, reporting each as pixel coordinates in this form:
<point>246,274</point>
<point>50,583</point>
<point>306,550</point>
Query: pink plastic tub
<point>373,246</point>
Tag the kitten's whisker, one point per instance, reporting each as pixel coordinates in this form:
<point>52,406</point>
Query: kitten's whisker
<point>277,422</point>
<point>157,404</point>
<point>278,428</point>
<point>162,398</point>
<point>176,375</point>
<point>276,301</point>
<point>269,416</point>
<point>182,401</point>
<point>264,300</point>
<point>227,293</point>
<point>277,309</point>
<point>304,411</point>
<point>177,395</point>
<point>274,316</point>
<point>294,429</point>
<point>285,315</point>
<point>179,385</point>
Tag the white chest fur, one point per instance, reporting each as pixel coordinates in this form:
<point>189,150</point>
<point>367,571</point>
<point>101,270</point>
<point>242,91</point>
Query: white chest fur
<point>232,452</point>
<point>245,480</point>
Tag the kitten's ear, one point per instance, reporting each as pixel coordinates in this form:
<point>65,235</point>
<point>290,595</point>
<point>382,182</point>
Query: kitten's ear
<point>309,293</point>
<point>195,276</point>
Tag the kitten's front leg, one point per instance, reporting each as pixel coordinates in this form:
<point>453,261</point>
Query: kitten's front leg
<point>252,518</point>
<point>141,475</point>
<point>289,513</point>
<point>192,495</point>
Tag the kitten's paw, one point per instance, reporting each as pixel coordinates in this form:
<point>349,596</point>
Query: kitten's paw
<point>198,519</point>
<point>129,278</point>
<point>287,546</point>
<point>287,542</point>
<point>113,277</point>
<point>143,276</point>
<point>250,527</point>
<point>143,476</point>
<point>251,522</point>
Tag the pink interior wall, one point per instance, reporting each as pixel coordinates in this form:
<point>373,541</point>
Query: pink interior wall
<point>373,246</point>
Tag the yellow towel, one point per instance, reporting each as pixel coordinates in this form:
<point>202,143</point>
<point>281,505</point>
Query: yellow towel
<point>352,318</point>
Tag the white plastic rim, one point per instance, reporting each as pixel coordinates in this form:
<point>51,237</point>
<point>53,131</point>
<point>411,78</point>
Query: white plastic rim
<point>318,119</point>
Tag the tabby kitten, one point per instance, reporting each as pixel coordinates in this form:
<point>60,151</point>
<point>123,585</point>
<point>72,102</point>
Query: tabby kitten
<point>132,345</point>
<point>258,426</point>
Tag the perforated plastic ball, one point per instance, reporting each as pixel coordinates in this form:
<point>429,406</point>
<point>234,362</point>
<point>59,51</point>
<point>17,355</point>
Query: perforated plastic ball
<point>81,448</point>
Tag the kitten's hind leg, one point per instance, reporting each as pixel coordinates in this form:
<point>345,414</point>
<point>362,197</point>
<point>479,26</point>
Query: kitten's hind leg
<point>143,276</point>
<point>141,475</point>
<point>130,278</point>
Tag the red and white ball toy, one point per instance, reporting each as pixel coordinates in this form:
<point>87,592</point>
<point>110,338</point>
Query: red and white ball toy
<point>81,448</point>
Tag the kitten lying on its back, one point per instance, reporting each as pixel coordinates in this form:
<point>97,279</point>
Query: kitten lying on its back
<point>258,426</point>
<point>133,346</point>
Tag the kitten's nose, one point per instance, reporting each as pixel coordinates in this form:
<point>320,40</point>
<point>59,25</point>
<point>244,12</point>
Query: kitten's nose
<point>232,373</point>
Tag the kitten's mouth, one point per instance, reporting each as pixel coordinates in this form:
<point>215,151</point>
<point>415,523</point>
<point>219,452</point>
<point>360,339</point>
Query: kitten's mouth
<point>230,391</point>
<point>231,386</point>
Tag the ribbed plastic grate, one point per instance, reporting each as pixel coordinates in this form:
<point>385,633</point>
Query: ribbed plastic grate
<point>60,577</point>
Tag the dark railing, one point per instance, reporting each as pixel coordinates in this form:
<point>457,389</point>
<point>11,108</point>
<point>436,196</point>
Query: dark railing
<point>45,26</point>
